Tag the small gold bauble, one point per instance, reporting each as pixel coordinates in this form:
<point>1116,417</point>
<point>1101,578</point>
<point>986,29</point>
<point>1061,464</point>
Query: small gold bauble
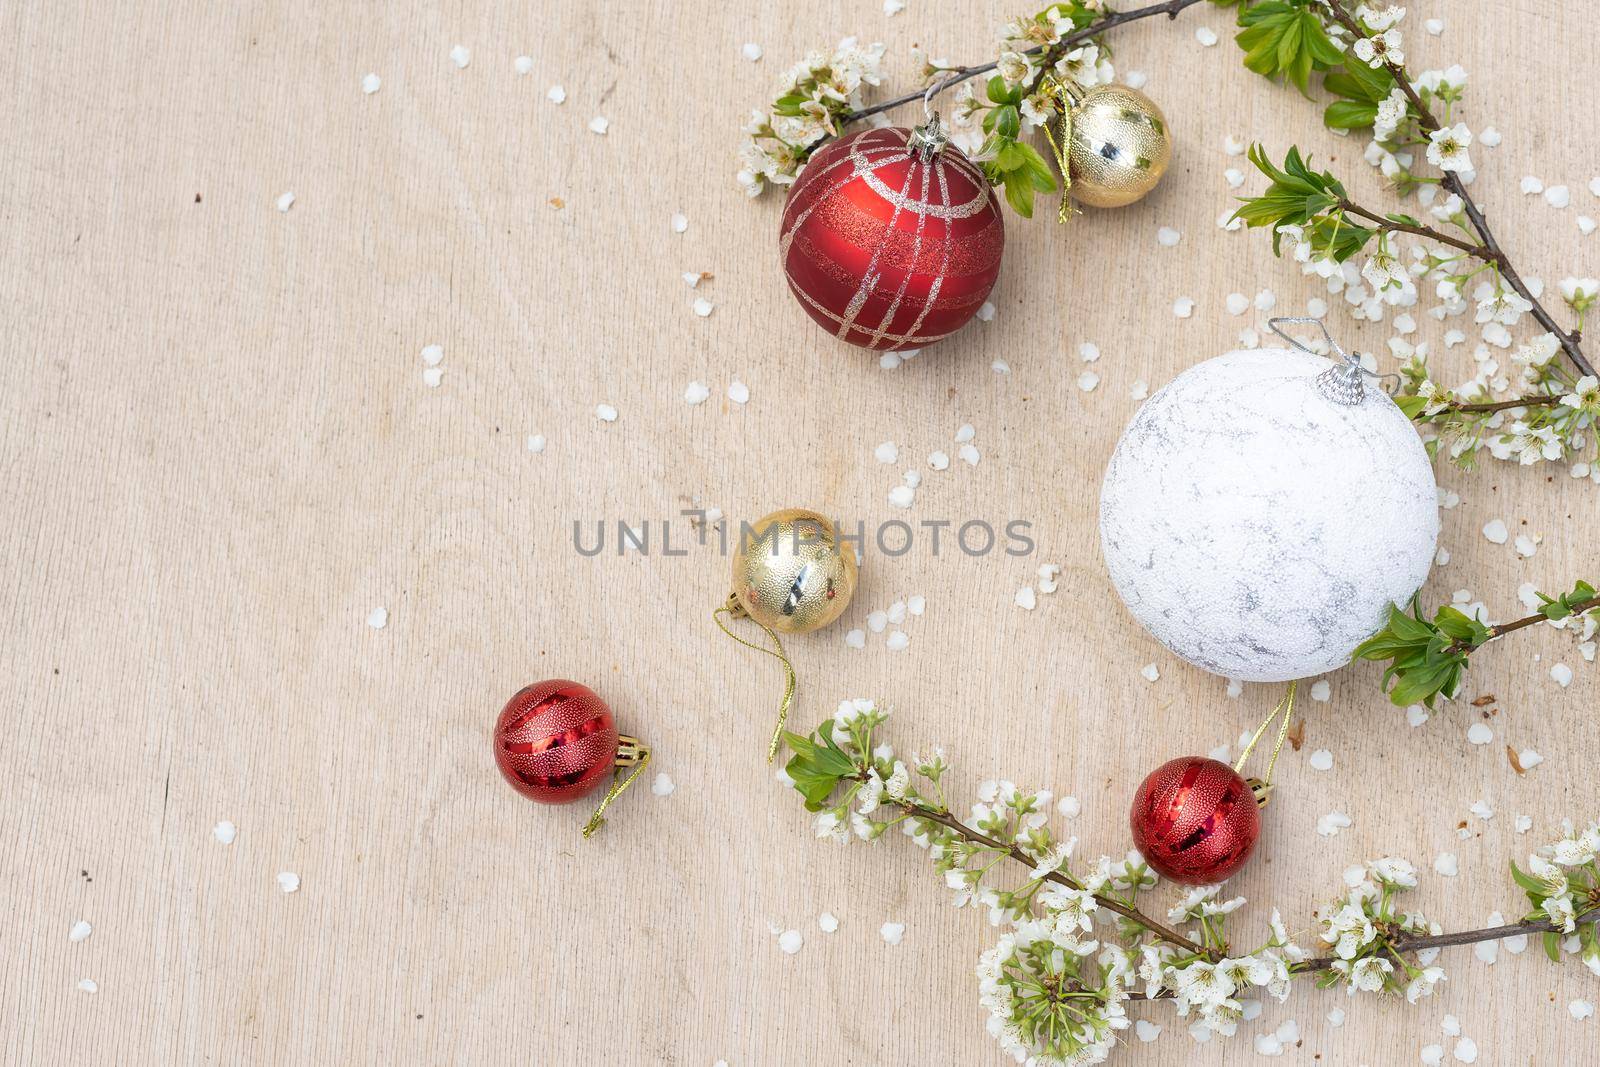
<point>1120,146</point>
<point>790,572</point>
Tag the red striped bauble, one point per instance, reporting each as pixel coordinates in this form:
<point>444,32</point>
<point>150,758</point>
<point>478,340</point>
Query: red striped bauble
<point>555,741</point>
<point>1195,820</point>
<point>891,238</point>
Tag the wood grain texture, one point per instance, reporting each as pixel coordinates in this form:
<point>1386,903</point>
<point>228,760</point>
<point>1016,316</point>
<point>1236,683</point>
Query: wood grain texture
<point>219,456</point>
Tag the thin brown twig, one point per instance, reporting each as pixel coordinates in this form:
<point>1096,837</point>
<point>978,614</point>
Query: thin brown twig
<point>1545,400</point>
<point>1510,627</point>
<point>1491,251</point>
<point>1421,231</point>
<point>949,821</point>
<point>956,75</point>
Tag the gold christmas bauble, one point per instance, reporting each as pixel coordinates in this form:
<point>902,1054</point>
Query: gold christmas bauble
<point>1120,146</point>
<point>791,573</point>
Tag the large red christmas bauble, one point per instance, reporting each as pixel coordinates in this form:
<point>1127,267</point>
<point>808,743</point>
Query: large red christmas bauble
<point>891,239</point>
<point>555,741</point>
<point>1195,820</point>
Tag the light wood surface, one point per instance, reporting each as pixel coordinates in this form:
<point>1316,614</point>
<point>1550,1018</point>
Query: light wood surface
<point>219,456</point>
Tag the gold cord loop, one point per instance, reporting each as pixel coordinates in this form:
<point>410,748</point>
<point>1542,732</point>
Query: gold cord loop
<point>1263,787</point>
<point>1062,147</point>
<point>733,609</point>
<point>630,752</point>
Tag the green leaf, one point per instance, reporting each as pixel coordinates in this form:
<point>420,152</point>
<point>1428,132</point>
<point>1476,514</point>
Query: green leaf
<point>1349,115</point>
<point>1411,405</point>
<point>1534,887</point>
<point>1552,946</point>
<point>1283,39</point>
<point>1019,194</point>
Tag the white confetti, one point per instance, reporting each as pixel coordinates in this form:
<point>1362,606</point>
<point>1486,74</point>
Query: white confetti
<point>702,307</point>
<point>286,201</point>
<point>888,452</point>
<point>1557,196</point>
<point>1479,734</point>
<point>80,931</point>
<point>1088,380</point>
<point>432,355</point>
<point>1321,691</point>
<point>696,393</point>
<point>599,124</point>
<point>1135,79</point>
<point>224,832</point>
<point>1183,307</point>
<point>1523,823</point>
<point>1336,1017</point>
<point>556,95</point>
<point>965,433</point>
<point>1483,810</point>
<point>663,785</point>
<point>1321,760</point>
<point>1206,36</point>
<point>88,985</point>
<point>1069,807</point>
<point>461,55</point>
<point>1451,1026</point>
<point>1233,146</point>
<point>1332,823</point>
<point>605,413</point>
<point>1416,715</point>
<point>938,461</point>
<point>751,51</point>
<point>893,933</point>
<point>1237,303</point>
<point>1446,864</point>
<point>1495,531</point>
<point>1026,599</point>
<point>1000,366</point>
<point>1234,177</point>
<point>378,618</point>
<point>969,454</point>
<point>523,64</point>
<point>1434,26</point>
<point>432,376</point>
<point>288,881</point>
<point>916,605</point>
<point>1581,1009</point>
<point>827,923</point>
<point>371,84</point>
<point>536,443</point>
<point>1088,351</point>
<point>1150,672</point>
<point>790,941</point>
<point>1586,225</point>
<point>856,639</point>
<point>1490,137</point>
<point>1529,759</point>
<point>1466,1050</point>
<point>901,496</point>
<point>897,641</point>
<point>986,312</point>
<point>892,8</point>
<point>1532,186</point>
<point>1561,674</point>
<point>738,392</point>
<point>1167,237</point>
<point>1140,390</point>
<point>1147,1030</point>
<point>877,621</point>
<point>680,223</point>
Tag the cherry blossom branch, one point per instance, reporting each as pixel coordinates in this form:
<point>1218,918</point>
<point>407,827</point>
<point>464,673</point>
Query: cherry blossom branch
<point>945,819</point>
<point>956,75</point>
<point>1460,937</point>
<point>1392,225</point>
<point>1490,252</point>
<point>1542,400</point>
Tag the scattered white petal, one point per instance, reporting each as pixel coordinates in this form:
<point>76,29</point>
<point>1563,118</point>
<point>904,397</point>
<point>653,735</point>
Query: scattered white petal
<point>901,496</point>
<point>1479,734</point>
<point>1000,366</point>
<point>1434,26</point>
<point>888,452</point>
<point>1088,380</point>
<point>1416,715</point>
<point>1466,1050</point>
<point>1585,225</point>
<point>1183,307</point>
<point>1489,951</point>
<point>1490,137</point>
<point>1483,810</point>
<point>88,985</point>
<point>702,306</point>
<point>224,832</point>
<point>1321,691</point>
<point>697,393</point>
<point>1237,303</point>
<point>556,95</point>
<point>1233,146</point>
<point>1266,300</point>
<point>80,931</point>
<point>599,124</point>
<point>461,55</point>
<point>1151,672</point>
<point>1557,196</point>
<point>892,8</point>
<point>893,933</point>
<point>856,639</point>
<point>371,84</point>
<point>965,433</point>
<point>288,881</point>
<point>877,621</point>
<point>1206,36</point>
<point>1336,1017</point>
<point>738,392</point>
<point>751,50</point>
<point>1529,759</point>
<point>1332,823</point>
<point>1432,1055</point>
<point>1268,1045</point>
<point>432,355</point>
<point>378,618</point>
<point>1088,351</point>
<point>1581,1009</point>
<point>1026,599</point>
<point>827,923</point>
<point>1069,807</point>
<point>1446,864</point>
<point>1451,1026</point>
<point>536,442</point>
<point>1140,389</point>
<point>1135,79</point>
<point>523,64</point>
<point>969,454</point>
<point>916,605</point>
<point>1234,177</point>
<point>605,413</point>
<point>432,376</point>
<point>1147,1030</point>
<point>680,223</point>
<point>1523,823</point>
<point>663,785</point>
<point>1235,688</point>
<point>1532,186</point>
<point>986,312</point>
<point>1167,237</point>
<point>1495,531</point>
<point>897,641</point>
<point>1321,760</point>
<point>286,201</point>
<point>790,941</point>
<point>1561,674</point>
<point>938,461</point>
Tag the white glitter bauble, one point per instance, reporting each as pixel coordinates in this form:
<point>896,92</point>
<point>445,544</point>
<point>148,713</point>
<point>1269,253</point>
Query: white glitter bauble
<point>1259,529</point>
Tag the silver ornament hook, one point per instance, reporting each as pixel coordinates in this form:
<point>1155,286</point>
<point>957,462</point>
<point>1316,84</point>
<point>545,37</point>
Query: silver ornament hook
<point>928,140</point>
<point>1345,382</point>
<point>935,87</point>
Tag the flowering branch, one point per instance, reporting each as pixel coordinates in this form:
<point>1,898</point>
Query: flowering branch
<point>1490,249</point>
<point>1427,658</point>
<point>953,76</point>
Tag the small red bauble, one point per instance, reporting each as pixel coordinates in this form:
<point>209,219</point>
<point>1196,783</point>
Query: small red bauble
<point>891,238</point>
<point>1195,820</point>
<point>555,741</point>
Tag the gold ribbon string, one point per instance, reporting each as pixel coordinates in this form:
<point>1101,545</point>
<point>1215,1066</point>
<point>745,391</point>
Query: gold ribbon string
<point>1286,707</point>
<point>734,610</point>
<point>1063,147</point>
<point>598,818</point>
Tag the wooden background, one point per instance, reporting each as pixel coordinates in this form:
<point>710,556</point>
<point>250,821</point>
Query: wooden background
<point>219,456</point>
